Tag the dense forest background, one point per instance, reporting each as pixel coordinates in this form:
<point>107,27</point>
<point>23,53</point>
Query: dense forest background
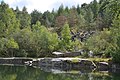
<point>94,26</point>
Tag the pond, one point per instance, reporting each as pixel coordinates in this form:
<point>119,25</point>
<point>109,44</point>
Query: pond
<point>8,72</point>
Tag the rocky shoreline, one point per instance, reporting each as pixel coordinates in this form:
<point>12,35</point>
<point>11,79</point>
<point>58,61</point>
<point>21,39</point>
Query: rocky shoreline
<point>62,64</point>
<point>14,61</point>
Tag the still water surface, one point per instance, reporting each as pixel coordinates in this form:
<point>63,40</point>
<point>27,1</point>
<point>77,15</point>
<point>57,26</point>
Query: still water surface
<point>30,73</point>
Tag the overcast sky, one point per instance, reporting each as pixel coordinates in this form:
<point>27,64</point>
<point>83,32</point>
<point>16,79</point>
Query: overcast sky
<point>43,5</point>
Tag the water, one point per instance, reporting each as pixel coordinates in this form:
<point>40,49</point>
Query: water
<point>31,73</point>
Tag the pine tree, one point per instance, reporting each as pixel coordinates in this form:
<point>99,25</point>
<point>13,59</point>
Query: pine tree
<point>66,43</point>
<point>24,18</point>
<point>116,39</point>
<point>8,22</point>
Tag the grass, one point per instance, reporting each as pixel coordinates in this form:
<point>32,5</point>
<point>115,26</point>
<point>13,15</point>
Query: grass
<point>75,60</point>
<point>100,59</point>
<point>103,73</point>
<point>96,59</point>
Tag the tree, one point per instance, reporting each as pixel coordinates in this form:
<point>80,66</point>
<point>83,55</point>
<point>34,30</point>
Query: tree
<point>73,18</point>
<point>26,42</point>
<point>11,45</point>
<point>36,16</point>
<point>46,42</point>
<point>59,23</point>
<point>60,10</point>
<point>24,18</point>
<point>66,43</point>
<point>8,22</point>
<point>109,9</point>
<point>116,39</point>
<point>78,9</point>
<point>8,47</point>
<point>82,22</point>
<point>2,46</point>
<point>89,19</point>
<point>113,6</point>
<point>66,9</point>
<point>95,8</point>
<point>48,19</point>
<point>101,42</point>
<point>9,25</point>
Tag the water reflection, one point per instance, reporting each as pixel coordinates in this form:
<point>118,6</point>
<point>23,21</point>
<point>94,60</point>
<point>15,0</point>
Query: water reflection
<point>30,73</point>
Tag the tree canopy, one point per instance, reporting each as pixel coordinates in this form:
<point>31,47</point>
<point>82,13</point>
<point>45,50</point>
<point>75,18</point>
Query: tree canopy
<point>94,26</point>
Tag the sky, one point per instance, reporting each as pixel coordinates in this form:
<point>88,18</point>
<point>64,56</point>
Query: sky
<point>43,5</point>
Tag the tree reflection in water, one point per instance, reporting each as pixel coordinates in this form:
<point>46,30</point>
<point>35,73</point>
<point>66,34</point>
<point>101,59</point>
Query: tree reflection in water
<point>30,73</point>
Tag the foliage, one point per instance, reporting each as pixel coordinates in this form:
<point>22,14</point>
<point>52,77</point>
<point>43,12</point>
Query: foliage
<point>99,59</point>
<point>36,16</point>
<point>100,43</point>
<point>23,17</point>
<point>8,22</point>
<point>66,42</point>
<point>116,39</point>
<point>7,47</point>
<point>46,42</point>
<point>24,34</point>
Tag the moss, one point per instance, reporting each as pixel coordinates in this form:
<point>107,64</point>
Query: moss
<point>96,59</point>
<point>75,60</point>
<point>100,59</point>
<point>103,73</point>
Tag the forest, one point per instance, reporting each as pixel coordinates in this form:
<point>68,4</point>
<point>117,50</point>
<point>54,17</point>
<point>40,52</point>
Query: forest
<point>90,27</point>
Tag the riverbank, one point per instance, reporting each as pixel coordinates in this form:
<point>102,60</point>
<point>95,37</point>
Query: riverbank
<point>89,64</point>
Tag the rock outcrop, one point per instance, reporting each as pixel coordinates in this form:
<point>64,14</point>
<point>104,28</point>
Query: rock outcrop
<point>63,64</point>
<point>14,61</point>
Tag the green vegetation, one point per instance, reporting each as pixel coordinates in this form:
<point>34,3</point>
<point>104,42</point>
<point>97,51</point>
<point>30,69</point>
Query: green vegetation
<point>75,60</point>
<point>29,73</point>
<point>39,34</point>
<point>99,59</point>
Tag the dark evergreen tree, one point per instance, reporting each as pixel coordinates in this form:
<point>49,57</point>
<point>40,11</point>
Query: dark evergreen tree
<point>36,16</point>
<point>24,18</point>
